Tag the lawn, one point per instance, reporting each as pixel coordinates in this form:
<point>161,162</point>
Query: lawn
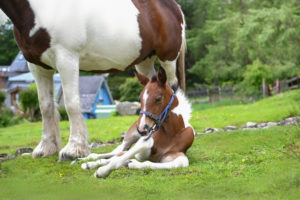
<point>257,164</point>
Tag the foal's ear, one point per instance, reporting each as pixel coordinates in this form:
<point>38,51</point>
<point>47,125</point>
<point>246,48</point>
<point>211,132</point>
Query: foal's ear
<point>162,76</point>
<point>142,79</point>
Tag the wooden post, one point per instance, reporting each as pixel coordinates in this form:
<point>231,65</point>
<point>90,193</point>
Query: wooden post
<point>264,87</point>
<point>277,86</point>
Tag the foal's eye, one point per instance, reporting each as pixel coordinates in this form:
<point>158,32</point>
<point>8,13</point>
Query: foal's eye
<point>158,100</point>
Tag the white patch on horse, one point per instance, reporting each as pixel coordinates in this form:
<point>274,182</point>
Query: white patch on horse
<point>3,18</point>
<point>143,119</point>
<point>183,108</point>
<point>105,34</point>
<point>118,161</point>
<point>180,161</point>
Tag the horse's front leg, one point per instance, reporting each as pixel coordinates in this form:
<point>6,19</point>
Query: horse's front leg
<point>118,161</point>
<point>51,140</point>
<point>67,64</point>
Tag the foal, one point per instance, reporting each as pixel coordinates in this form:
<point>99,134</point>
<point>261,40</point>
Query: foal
<point>172,133</point>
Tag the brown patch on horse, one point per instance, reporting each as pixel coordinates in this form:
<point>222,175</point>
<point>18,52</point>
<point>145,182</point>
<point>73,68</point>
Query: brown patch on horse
<point>23,20</point>
<point>160,28</point>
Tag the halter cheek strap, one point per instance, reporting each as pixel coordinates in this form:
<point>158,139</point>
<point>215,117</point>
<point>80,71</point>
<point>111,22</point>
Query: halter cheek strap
<point>159,120</point>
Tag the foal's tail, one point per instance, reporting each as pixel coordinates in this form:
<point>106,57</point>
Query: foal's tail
<point>180,65</point>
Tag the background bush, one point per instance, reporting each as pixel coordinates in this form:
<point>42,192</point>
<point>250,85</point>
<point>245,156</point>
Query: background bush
<point>29,102</point>
<point>253,77</point>
<point>130,90</point>
<point>63,113</point>
<point>2,98</point>
<point>7,117</point>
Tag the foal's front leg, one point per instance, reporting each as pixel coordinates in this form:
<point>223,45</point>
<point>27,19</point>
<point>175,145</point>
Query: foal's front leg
<point>130,138</point>
<point>67,64</point>
<point>118,161</point>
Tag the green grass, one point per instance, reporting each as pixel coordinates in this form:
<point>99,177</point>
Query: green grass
<point>262,164</point>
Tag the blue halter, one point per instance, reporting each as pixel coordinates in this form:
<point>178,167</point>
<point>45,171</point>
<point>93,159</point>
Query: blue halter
<point>159,120</point>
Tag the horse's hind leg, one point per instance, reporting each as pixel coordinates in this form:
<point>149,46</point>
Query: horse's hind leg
<point>147,67</point>
<point>51,139</point>
<point>171,161</point>
<point>170,68</point>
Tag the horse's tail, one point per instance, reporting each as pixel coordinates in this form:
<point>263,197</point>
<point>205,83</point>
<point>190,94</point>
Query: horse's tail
<point>180,64</point>
<point>3,18</point>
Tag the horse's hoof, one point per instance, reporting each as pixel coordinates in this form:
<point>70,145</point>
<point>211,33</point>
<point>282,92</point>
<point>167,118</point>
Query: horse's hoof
<point>73,151</point>
<point>44,149</point>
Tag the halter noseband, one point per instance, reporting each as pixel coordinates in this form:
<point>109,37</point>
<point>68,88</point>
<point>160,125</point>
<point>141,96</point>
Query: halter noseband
<point>158,119</point>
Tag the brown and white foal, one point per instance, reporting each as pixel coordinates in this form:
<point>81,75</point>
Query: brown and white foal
<point>171,137</point>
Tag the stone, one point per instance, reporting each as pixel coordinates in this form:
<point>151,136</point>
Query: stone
<point>262,125</point>
<point>26,154</point>
<point>270,124</point>
<point>96,145</point>
<point>209,130</point>
<point>246,128</point>
<point>5,157</point>
<point>20,151</point>
<point>128,108</point>
<point>218,130</point>
<point>251,125</point>
<point>230,128</point>
<point>197,134</point>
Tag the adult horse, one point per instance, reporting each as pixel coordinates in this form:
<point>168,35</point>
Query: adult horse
<point>97,36</point>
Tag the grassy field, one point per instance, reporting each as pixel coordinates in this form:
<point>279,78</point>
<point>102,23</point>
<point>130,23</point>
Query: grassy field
<point>261,164</point>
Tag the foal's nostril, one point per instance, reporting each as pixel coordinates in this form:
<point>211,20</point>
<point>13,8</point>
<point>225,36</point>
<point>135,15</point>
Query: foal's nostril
<point>146,127</point>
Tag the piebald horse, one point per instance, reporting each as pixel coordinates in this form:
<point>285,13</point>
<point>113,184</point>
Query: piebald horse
<point>172,133</point>
<point>97,36</point>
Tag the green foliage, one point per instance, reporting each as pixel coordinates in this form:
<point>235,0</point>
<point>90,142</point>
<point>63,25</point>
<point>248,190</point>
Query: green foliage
<point>63,113</point>
<point>114,83</point>
<point>29,102</point>
<point>7,117</point>
<point>2,98</point>
<point>253,76</point>
<point>8,47</point>
<point>231,35</point>
<point>130,90</point>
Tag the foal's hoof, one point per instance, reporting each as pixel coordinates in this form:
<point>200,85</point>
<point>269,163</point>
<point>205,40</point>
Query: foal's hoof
<point>44,149</point>
<point>72,151</point>
<point>102,172</point>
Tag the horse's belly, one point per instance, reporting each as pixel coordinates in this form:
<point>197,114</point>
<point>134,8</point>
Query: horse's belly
<point>100,62</point>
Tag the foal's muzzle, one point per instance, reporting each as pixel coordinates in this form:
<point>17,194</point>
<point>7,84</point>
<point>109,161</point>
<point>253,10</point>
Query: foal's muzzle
<point>144,131</point>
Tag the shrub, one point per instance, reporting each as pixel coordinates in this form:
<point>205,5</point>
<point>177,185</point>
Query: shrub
<point>7,117</point>
<point>2,98</point>
<point>253,76</point>
<point>29,102</point>
<point>130,90</point>
<point>63,113</point>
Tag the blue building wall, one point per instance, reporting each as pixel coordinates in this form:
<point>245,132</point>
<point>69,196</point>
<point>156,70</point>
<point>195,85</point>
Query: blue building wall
<point>105,97</point>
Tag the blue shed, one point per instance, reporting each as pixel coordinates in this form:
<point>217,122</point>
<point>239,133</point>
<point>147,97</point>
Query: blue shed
<point>95,97</point>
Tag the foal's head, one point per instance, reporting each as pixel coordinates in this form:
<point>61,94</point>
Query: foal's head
<point>154,98</point>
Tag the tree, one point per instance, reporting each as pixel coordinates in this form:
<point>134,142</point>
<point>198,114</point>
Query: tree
<point>8,47</point>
